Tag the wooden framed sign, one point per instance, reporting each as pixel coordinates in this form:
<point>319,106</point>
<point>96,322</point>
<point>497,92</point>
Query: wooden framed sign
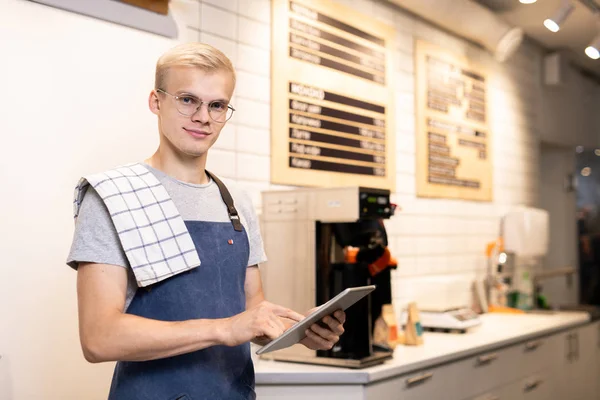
<point>157,6</point>
<point>332,104</point>
<point>453,136</point>
<point>146,15</point>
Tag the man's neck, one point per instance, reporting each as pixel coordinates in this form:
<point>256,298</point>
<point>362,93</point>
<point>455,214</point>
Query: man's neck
<point>185,169</point>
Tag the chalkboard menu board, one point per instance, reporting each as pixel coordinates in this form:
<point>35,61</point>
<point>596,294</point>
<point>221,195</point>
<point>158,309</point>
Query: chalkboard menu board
<point>453,137</point>
<point>332,102</point>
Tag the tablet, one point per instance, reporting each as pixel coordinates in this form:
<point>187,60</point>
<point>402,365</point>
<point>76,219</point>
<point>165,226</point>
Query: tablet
<point>296,333</point>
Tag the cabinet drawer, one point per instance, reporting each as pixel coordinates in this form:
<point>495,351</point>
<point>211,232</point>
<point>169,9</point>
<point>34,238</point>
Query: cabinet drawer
<point>488,370</point>
<point>536,386</point>
<point>285,208</point>
<point>434,383</point>
<point>537,353</point>
<point>507,392</point>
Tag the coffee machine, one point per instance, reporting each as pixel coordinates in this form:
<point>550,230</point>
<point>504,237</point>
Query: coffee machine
<point>320,241</point>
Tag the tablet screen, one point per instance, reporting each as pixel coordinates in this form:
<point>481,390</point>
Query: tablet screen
<point>295,334</point>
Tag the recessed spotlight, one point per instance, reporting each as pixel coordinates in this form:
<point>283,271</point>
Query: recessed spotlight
<point>553,23</point>
<point>593,50</point>
<point>527,1</point>
<point>587,171</point>
<point>597,152</point>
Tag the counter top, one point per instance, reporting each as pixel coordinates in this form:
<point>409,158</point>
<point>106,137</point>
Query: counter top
<point>495,331</point>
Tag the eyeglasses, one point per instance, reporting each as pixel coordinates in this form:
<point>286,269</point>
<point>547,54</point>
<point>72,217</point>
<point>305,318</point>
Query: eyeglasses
<point>188,105</point>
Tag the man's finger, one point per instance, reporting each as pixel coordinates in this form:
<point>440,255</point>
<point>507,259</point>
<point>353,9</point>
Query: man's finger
<point>287,313</point>
<point>334,324</point>
<point>318,340</point>
<point>271,329</point>
<point>277,323</point>
<point>340,316</point>
<point>325,333</point>
<point>287,322</point>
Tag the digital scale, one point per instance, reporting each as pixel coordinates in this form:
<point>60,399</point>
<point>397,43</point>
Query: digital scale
<point>458,319</point>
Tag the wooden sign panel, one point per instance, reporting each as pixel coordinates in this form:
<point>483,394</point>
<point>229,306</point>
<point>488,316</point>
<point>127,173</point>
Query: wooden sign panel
<point>157,6</point>
<point>332,104</point>
<point>453,138</point>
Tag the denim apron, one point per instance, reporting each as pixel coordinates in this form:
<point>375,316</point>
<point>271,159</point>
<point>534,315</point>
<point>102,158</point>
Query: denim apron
<point>213,290</point>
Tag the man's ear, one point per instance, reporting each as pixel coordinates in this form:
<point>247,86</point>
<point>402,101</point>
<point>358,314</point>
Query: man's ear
<point>153,102</point>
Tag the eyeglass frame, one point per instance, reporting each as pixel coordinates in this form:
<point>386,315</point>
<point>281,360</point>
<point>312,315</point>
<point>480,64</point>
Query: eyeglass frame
<point>229,106</point>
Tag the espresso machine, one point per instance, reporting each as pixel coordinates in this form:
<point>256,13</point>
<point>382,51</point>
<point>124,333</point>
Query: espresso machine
<point>320,241</point>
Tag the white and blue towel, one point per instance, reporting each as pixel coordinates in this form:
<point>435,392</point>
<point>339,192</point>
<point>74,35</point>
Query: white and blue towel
<point>152,233</point>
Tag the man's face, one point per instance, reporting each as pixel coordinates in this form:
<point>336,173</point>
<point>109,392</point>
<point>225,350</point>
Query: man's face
<point>191,135</point>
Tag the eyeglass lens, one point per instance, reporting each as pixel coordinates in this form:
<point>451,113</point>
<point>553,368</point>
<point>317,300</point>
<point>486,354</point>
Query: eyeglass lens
<point>218,110</point>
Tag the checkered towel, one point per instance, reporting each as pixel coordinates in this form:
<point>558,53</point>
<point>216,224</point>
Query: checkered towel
<point>152,232</point>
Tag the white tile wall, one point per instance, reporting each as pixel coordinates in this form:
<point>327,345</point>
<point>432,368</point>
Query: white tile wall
<point>227,46</point>
<point>252,113</point>
<point>187,14</point>
<point>254,33</point>
<point>431,238</point>
<point>253,167</point>
<point>228,138</point>
<point>228,5</point>
<point>219,22</point>
<point>253,87</point>
<point>222,163</point>
<point>254,141</point>
<point>254,59</point>
<point>259,10</point>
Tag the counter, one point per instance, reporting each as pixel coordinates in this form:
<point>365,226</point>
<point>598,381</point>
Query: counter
<point>495,331</point>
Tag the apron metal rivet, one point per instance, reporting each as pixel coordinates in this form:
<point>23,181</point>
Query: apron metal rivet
<point>230,241</point>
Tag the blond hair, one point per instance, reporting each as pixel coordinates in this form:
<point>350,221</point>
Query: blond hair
<point>200,55</point>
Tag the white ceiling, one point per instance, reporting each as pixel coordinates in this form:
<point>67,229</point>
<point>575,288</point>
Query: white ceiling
<point>574,35</point>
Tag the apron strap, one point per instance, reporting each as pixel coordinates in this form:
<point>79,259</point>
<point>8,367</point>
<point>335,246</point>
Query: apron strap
<point>233,214</point>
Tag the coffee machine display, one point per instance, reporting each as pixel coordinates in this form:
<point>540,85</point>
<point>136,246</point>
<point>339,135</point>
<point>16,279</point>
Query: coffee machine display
<point>320,242</point>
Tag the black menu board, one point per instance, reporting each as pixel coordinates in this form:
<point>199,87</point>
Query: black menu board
<point>332,102</point>
<point>453,137</point>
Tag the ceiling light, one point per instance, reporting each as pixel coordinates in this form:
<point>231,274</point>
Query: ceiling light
<point>593,50</point>
<point>508,44</point>
<point>597,152</point>
<point>579,149</point>
<point>527,1</point>
<point>553,23</point>
<point>586,171</point>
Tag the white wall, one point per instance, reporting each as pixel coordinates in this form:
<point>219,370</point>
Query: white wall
<point>570,110</point>
<point>447,238</point>
<point>556,163</point>
<point>73,101</point>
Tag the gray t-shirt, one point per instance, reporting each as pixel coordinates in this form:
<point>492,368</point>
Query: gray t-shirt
<point>96,239</point>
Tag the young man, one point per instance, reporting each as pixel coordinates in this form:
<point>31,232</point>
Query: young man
<point>186,333</point>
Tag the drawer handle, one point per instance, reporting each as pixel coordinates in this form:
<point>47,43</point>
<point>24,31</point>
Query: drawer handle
<point>488,358</point>
<point>418,379</point>
<point>529,386</point>
<point>534,344</point>
<point>490,397</point>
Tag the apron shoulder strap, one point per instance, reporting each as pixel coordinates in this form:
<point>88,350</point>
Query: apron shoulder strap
<point>226,196</point>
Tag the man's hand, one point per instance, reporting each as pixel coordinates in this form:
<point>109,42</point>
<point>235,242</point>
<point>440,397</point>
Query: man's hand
<point>259,324</point>
<point>326,333</point>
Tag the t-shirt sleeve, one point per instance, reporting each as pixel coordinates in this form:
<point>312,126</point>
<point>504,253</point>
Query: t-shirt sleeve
<point>95,238</point>
<point>257,250</point>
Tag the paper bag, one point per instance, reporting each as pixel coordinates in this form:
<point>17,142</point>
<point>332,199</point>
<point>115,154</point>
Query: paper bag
<point>413,333</point>
<point>386,327</point>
